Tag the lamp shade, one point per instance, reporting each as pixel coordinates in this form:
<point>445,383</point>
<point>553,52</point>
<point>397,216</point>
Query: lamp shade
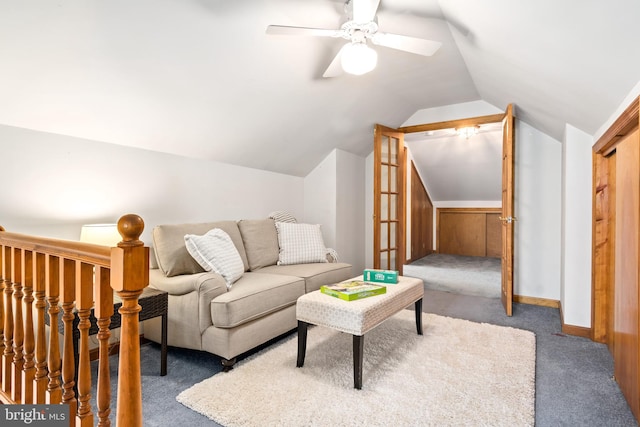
<point>358,58</point>
<point>100,234</point>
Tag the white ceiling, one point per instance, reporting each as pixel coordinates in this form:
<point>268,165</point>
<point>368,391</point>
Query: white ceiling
<point>455,168</point>
<point>200,78</point>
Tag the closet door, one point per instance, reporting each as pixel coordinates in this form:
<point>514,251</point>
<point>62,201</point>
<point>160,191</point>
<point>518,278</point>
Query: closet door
<point>421,217</point>
<point>627,230</point>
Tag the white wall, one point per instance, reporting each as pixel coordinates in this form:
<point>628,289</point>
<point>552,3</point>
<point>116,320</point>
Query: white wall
<point>53,184</point>
<point>320,198</point>
<point>350,200</point>
<point>334,196</point>
<point>576,228</point>
<point>538,207</point>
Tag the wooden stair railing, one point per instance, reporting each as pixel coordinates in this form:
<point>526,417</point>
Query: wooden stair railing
<point>61,276</point>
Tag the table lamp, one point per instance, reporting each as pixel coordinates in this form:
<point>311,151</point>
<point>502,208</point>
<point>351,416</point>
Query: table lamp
<point>100,234</point>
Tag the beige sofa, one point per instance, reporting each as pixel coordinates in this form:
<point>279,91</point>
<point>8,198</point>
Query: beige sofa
<point>204,314</point>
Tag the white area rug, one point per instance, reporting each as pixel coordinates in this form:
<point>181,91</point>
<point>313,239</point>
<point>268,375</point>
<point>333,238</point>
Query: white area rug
<point>459,373</point>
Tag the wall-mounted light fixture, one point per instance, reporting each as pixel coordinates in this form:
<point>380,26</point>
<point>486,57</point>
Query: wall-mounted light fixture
<point>467,131</point>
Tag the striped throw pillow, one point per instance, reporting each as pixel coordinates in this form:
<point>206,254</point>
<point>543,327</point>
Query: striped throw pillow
<point>282,216</point>
<point>216,252</point>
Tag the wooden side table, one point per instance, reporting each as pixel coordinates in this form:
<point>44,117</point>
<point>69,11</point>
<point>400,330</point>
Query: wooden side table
<point>153,303</point>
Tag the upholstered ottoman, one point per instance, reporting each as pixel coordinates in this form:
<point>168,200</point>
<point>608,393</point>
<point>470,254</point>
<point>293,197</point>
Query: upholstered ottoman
<point>356,317</point>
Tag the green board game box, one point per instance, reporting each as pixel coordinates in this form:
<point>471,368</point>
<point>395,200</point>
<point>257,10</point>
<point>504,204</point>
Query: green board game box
<point>380,276</point>
<point>353,290</point>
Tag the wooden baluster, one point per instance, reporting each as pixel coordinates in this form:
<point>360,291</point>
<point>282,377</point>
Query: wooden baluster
<point>84,298</point>
<point>7,355</point>
<point>103,312</point>
<point>129,276</point>
<point>18,327</point>
<point>3,277</point>
<point>54,391</point>
<point>29,370</point>
<point>40,387</point>
<point>68,283</point>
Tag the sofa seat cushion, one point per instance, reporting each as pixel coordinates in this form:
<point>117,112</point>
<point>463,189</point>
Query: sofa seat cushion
<point>253,296</point>
<point>315,274</point>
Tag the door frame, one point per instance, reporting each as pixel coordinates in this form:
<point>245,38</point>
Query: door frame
<point>477,121</point>
<point>603,224</point>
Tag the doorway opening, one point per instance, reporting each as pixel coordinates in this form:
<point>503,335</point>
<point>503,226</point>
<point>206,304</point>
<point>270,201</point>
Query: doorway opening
<point>414,243</point>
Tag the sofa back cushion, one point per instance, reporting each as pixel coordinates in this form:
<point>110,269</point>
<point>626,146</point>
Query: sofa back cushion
<point>260,241</point>
<point>171,252</point>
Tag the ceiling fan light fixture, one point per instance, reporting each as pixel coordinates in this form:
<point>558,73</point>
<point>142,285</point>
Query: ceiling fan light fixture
<point>358,58</point>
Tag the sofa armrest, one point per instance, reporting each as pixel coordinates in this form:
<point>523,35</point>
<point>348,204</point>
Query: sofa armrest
<point>190,297</point>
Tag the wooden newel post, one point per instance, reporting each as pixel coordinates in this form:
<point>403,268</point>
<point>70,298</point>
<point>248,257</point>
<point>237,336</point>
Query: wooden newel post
<point>129,276</point>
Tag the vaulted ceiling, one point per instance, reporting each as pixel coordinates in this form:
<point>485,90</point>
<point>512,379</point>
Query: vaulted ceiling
<point>200,78</point>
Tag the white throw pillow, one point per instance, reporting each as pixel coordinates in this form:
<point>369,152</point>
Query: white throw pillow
<point>300,243</point>
<point>216,252</point>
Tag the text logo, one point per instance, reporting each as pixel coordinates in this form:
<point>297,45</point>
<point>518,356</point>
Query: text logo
<point>34,415</point>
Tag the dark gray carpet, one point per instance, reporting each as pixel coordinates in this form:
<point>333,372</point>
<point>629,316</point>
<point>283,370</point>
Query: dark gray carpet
<point>574,385</point>
<point>469,275</point>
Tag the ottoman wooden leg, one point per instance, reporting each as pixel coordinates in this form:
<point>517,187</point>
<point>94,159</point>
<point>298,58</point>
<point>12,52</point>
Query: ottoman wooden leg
<point>302,342</point>
<point>358,347</point>
<point>418,309</point>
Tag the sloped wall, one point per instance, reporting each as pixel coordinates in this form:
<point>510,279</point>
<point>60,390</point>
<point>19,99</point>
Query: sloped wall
<point>53,184</point>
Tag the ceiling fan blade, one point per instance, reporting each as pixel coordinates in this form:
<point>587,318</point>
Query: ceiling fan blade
<point>335,68</point>
<point>406,43</point>
<point>364,10</point>
<point>302,31</point>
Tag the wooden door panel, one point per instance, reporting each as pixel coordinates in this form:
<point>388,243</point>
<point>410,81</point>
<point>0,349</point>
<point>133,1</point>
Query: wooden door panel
<point>421,218</point>
<point>494,235</point>
<point>627,229</point>
<point>463,233</point>
<point>508,215</point>
<point>389,187</point>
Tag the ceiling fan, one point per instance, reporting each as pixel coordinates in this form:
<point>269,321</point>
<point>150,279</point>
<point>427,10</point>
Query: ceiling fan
<point>360,26</point>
